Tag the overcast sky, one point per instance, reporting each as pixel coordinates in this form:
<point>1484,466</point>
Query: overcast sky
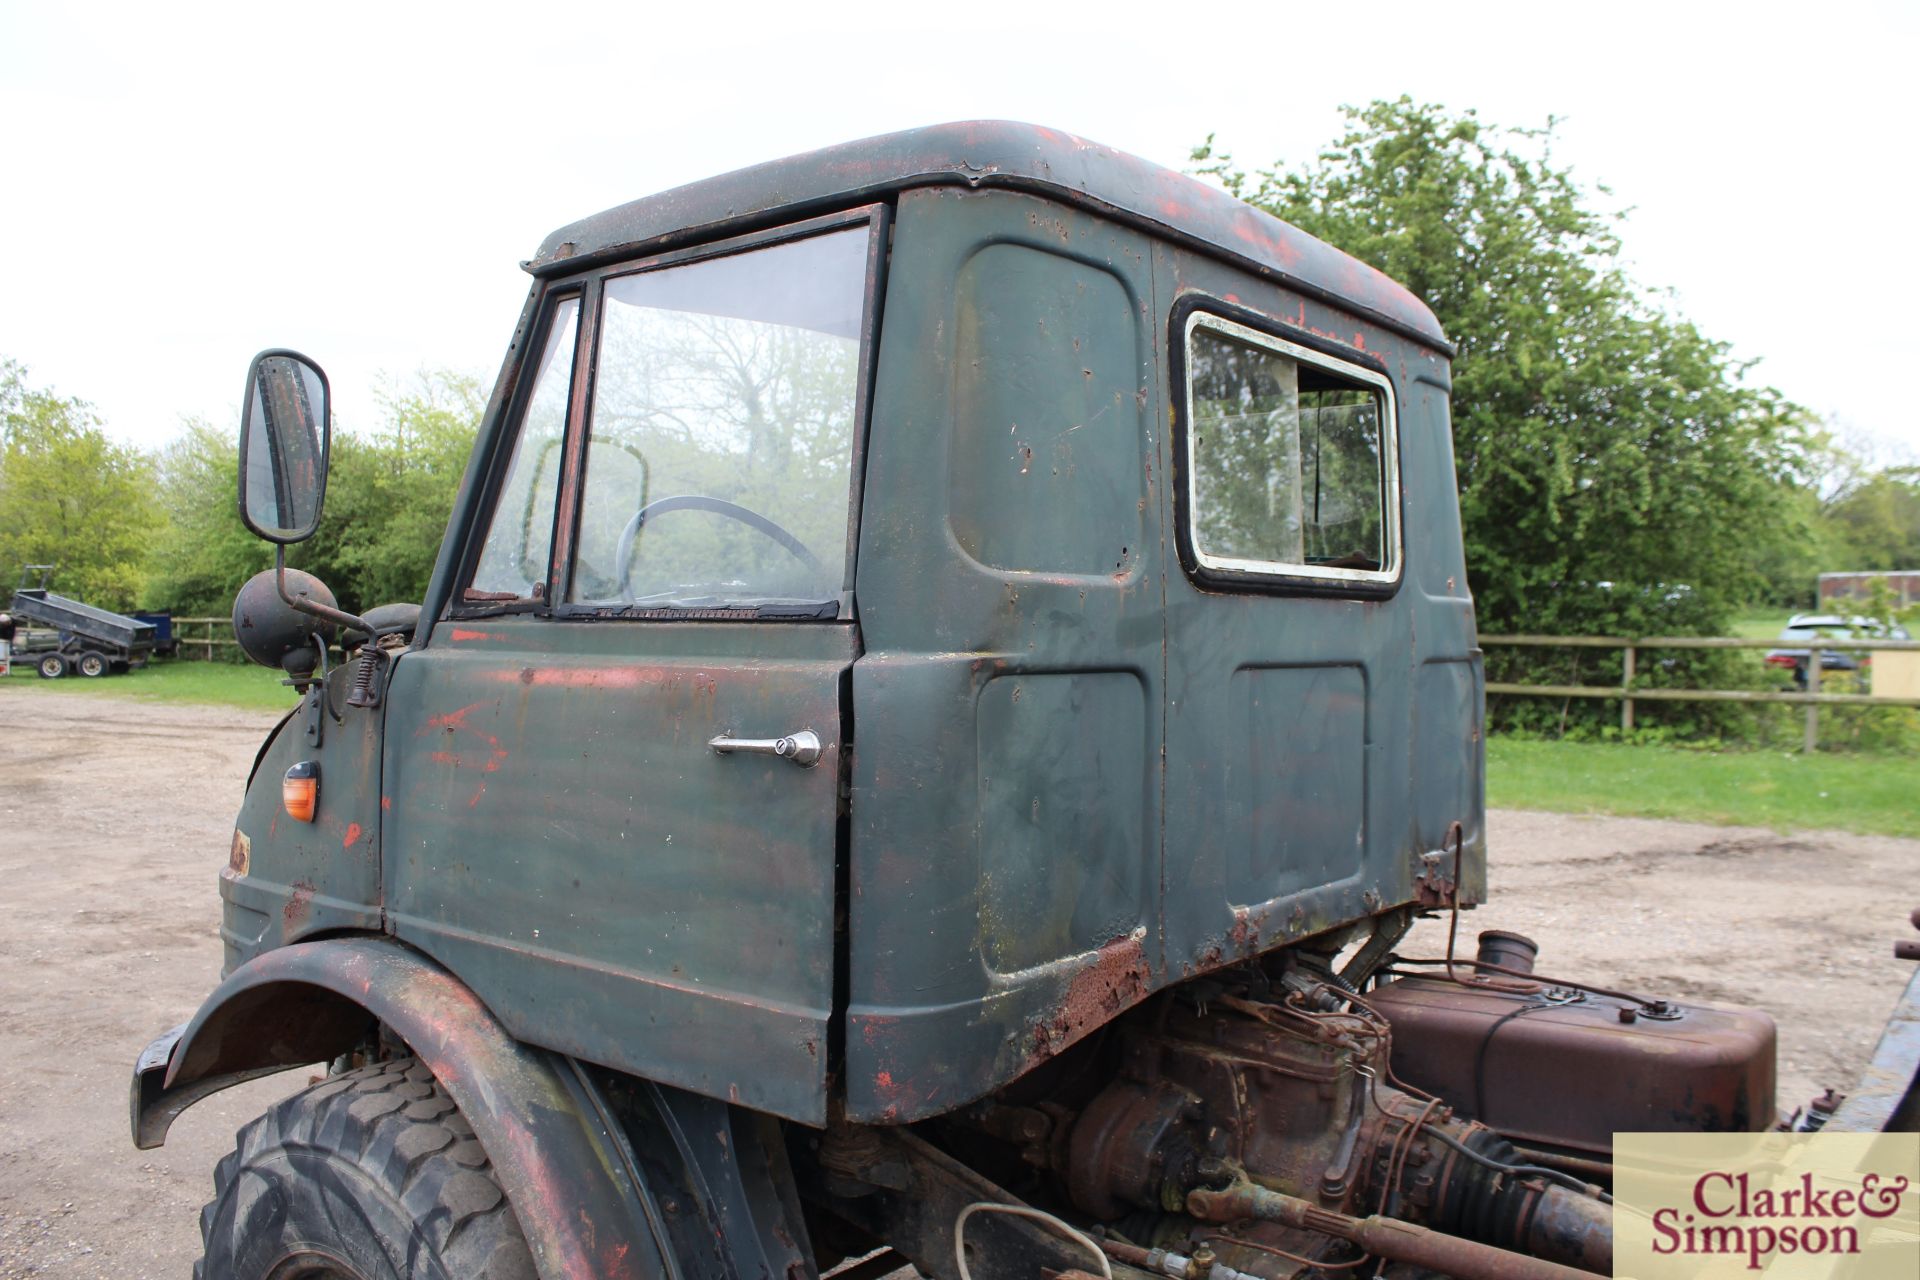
<point>186,184</point>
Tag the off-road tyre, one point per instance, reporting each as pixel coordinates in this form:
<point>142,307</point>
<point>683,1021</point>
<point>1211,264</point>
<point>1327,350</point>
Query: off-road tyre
<point>52,666</point>
<point>92,665</point>
<point>369,1175</point>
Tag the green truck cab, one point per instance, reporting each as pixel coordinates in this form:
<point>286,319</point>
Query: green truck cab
<point>950,670</point>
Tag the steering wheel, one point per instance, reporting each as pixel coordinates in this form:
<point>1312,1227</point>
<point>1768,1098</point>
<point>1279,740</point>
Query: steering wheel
<point>623,562</point>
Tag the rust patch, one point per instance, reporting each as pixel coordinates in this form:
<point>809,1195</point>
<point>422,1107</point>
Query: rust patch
<point>1116,980</point>
<point>240,856</point>
<point>1247,928</point>
<point>299,906</point>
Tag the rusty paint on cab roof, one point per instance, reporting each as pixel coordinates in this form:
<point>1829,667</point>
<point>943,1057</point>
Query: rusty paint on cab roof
<point>1003,154</point>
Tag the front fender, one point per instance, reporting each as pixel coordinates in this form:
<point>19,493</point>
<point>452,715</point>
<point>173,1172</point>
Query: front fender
<point>569,1177</point>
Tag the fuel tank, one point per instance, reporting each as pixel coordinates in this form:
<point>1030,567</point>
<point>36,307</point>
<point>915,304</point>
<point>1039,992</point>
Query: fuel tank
<point>1551,1067</point>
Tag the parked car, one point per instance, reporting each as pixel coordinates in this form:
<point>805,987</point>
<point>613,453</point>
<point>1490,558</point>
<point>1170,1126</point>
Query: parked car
<point>1805,628</point>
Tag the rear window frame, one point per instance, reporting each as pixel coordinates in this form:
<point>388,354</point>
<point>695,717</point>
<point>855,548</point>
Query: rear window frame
<point>1228,573</point>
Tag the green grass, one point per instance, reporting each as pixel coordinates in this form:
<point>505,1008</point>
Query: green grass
<point>1878,794</point>
<point>1761,624</point>
<point>223,684</point>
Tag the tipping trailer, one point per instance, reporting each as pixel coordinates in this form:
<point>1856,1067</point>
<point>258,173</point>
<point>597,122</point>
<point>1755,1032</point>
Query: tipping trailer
<point>91,641</point>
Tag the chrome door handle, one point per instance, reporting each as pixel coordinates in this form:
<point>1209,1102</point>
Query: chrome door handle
<point>802,748</point>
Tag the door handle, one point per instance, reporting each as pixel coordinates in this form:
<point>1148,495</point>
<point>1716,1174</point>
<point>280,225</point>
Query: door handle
<point>802,748</point>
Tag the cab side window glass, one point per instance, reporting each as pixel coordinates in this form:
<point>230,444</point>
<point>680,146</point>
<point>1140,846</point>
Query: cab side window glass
<point>1287,459</point>
<point>720,464</point>
<point>513,559</point>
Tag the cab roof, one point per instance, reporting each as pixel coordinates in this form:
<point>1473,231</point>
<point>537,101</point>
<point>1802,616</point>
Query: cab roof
<point>984,154</point>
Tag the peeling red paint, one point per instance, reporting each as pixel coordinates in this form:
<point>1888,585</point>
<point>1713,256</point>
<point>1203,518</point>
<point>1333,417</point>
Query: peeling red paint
<point>622,677</point>
<point>352,837</point>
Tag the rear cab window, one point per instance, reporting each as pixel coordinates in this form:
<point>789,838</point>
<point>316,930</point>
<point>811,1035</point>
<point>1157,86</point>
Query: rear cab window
<point>1289,457</point>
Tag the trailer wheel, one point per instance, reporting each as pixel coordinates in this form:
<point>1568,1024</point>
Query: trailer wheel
<point>369,1175</point>
<point>92,665</point>
<point>52,666</point>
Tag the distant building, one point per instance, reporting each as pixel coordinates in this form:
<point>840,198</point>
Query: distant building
<point>1904,583</point>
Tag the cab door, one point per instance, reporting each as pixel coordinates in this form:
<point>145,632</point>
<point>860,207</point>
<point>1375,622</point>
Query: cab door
<point>614,771</point>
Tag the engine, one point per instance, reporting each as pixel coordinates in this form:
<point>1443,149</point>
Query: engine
<point>1247,1114</point>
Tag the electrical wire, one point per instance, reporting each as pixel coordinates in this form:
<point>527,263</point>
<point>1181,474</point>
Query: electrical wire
<point>1021,1211</point>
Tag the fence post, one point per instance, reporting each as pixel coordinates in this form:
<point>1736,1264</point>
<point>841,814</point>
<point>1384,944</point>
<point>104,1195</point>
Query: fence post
<point>1626,688</point>
<point>1812,741</point>
<point>209,639</point>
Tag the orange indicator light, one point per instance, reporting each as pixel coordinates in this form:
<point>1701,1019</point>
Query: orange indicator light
<point>300,791</point>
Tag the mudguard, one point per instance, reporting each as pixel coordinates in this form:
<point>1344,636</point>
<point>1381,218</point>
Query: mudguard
<point>1888,1097</point>
<point>554,1130</point>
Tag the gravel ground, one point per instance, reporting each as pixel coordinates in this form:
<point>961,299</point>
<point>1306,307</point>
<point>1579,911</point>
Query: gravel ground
<point>115,817</point>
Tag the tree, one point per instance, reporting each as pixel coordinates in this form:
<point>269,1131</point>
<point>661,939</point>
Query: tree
<point>70,496</point>
<point>389,493</point>
<point>1876,521</point>
<point>205,553</point>
<point>1617,468</point>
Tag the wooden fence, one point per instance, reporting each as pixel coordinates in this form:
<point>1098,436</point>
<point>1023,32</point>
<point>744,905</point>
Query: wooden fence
<point>1628,692</point>
<point>217,633</point>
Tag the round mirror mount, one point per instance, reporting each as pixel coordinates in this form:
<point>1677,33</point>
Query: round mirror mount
<point>284,438</point>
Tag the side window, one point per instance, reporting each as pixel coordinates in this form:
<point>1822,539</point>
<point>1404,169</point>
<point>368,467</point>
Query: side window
<point>720,465</point>
<point>513,559</point>
<point>1290,460</point>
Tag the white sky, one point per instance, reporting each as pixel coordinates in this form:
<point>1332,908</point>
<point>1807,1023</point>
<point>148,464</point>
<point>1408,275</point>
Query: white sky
<point>186,184</point>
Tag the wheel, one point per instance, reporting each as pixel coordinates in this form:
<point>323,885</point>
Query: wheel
<point>369,1175</point>
<point>52,666</point>
<point>92,665</point>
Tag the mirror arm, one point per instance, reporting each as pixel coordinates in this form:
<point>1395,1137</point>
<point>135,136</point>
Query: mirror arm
<point>339,617</point>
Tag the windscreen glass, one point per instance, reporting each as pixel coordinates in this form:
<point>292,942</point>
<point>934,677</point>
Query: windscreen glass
<point>513,559</point>
<point>720,465</point>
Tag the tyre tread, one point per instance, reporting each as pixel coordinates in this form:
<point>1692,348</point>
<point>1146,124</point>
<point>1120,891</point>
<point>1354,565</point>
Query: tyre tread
<point>394,1121</point>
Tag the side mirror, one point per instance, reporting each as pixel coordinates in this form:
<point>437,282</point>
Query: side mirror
<point>283,447</point>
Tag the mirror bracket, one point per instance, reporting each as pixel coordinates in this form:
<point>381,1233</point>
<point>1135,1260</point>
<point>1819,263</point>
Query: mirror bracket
<point>326,613</point>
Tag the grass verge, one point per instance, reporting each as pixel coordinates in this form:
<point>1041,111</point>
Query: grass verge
<point>221,684</point>
<point>1784,790</point>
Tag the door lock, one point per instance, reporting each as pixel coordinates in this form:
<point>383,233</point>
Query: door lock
<point>802,748</point>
